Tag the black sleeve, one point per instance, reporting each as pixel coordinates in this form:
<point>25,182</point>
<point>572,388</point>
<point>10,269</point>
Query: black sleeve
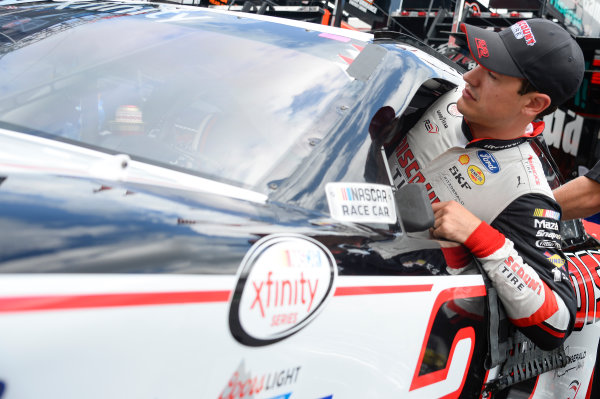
<point>532,223</point>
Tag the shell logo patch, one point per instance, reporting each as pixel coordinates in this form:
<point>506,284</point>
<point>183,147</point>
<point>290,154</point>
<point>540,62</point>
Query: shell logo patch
<point>464,159</point>
<point>476,175</point>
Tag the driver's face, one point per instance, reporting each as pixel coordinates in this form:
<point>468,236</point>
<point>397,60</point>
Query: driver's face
<point>490,99</point>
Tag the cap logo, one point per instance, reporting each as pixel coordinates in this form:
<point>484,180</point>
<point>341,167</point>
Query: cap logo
<point>522,30</point>
<point>482,50</point>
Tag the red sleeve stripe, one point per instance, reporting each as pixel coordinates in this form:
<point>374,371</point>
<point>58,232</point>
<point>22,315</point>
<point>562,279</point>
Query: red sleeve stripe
<point>485,240</point>
<point>457,257</point>
<point>548,308</point>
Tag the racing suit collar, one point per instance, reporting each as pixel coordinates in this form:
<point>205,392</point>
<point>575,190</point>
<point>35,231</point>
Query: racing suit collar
<point>497,144</point>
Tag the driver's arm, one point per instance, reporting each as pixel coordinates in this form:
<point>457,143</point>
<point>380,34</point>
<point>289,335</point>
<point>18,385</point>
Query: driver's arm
<point>532,282</point>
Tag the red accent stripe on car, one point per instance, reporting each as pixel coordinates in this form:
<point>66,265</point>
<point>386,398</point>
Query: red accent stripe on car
<point>63,302</point>
<point>422,380</point>
<point>384,289</point>
<point>590,385</point>
<point>58,302</point>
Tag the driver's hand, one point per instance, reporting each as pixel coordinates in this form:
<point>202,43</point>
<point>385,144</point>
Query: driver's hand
<point>453,221</point>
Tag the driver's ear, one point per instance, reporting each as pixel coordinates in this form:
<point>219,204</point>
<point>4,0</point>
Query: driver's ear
<point>536,103</point>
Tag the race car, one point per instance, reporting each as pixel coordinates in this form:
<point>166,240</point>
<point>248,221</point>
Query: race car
<point>197,203</point>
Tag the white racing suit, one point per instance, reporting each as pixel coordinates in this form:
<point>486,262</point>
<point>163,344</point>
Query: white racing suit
<point>502,182</point>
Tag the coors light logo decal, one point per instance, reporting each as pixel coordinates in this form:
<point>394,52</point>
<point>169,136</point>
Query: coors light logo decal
<point>284,281</point>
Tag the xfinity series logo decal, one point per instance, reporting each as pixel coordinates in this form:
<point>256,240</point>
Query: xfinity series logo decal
<point>284,281</point>
<point>489,161</point>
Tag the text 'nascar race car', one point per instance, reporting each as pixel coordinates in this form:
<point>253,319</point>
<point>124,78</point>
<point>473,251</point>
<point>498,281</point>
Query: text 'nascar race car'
<point>198,204</point>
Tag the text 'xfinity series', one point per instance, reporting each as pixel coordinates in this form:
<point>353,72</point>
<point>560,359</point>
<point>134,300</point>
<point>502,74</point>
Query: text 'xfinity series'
<point>196,203</point>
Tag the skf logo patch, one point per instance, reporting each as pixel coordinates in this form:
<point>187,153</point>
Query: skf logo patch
<point>555,259</point>
<point>431,127</point>
<point>482,50</point>
<point>464,159</point>
<point>476,175</point>
<point>489,162</point>
<point>522,30</point>
<point>546,213</point>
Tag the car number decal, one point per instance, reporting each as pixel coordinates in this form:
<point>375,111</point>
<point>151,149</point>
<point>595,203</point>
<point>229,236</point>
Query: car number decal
<point>584,267</point>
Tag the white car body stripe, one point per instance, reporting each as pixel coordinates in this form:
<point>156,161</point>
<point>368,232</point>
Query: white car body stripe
<point>30,154</point>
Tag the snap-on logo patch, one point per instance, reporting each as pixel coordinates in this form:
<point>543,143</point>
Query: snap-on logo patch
<point>283,283</point>
<point>476,175</point>
<point>482,50</point>
<point>489,161</point>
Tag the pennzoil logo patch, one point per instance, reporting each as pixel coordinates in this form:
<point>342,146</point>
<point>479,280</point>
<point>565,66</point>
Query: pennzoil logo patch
<point>361,202</point>
<point>476,175</point>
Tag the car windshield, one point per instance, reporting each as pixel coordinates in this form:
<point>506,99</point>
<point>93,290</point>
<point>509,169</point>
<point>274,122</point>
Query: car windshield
<point>189,90</point>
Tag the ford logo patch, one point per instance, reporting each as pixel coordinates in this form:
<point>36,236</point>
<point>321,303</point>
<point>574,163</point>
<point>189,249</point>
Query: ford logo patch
<point>489,162</point>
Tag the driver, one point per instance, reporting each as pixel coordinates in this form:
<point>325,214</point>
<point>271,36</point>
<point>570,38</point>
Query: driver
<point>486,184</point>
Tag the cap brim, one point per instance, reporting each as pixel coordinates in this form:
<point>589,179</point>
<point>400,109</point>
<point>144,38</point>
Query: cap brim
<point>488,50</point>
